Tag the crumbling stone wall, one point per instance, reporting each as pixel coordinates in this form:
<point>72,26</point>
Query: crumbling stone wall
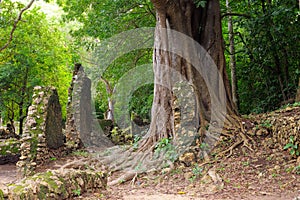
<point>78,125</point>
<point>278,127</point>
<point>55,184</point>
<point>42,137</point>
<point>82,128</point>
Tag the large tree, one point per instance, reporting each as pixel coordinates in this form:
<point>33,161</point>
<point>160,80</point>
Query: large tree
<point>200,20</point>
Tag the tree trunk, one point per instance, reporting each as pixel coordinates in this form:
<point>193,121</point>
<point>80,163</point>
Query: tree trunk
<point>297,99</point>
<point>109,114</point>
<point>232,59</point>
<point>22,110</point>
<point>204,26</point>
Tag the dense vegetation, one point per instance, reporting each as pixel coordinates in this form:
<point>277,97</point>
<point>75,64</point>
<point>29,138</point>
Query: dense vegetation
<point>266,35</point>
<point>39,54</point>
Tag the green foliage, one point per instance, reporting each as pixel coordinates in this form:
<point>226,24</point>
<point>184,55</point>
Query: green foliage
<point>294,151</point>
<point>164,147</point>
<point>197,172</point>
<point>201,3</point>
<point>136,140</point>
<point>77,192</point>
<point>267,54</point>
<point>80,153</point>
<point>141,101</point>
<point>101,20</point>
<point>266,124</point>
<point>1,195</point>
<point>297,169</point>
<point>53,159</point>
<point>9,146</point>
<point>38,55</point>
<point>204,146</point>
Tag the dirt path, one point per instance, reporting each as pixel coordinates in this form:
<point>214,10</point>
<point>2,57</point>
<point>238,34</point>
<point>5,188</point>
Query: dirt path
<point>8,174</point>
<point>265,174</point>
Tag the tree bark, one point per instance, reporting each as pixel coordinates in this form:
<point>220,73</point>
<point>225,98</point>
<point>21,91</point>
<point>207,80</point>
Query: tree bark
<point>204,26</point>
<point>297,99</point>
<point>109,114</point>
<point>232,64</point>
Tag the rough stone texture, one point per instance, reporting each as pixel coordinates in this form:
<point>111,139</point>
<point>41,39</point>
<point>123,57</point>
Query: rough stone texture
<point>56,184</point>
<point>42,137</point>
<point>82,128</point>
<point>278,126</point>
<point>54,135</point>
<point>185,120</point>
<point>79,123</point>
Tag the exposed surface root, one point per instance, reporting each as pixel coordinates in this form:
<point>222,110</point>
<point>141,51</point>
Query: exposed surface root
<point>230,149</point>
<point>124,178</point>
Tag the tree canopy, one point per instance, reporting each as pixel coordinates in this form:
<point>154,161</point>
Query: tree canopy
<point>38,54</point>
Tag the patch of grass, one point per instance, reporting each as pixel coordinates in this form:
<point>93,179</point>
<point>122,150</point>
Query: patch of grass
<point>296,104</point>
<point>204,146</point>
<point>297,169</point>
<point>220,169</point>
<point>136,140</point>
<point>227,180</point>
<point>269,158</point>
<point>197,171</point>
<point>289,169</point>
<point>192,179</point>
<point>77,192</point>
<point>165,148</point>
<point>294,151</point>
<point>80,153</point>
<point>121,181</point>
<point>53,159</point>
<point>175,171</point>
<point>266,124</point>
<point>245,163</point>
<point>1,195</point>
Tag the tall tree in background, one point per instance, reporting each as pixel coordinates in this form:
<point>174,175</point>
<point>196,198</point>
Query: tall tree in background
<point>203,24</point>
<point>269,72</point>
<point>232,61</point>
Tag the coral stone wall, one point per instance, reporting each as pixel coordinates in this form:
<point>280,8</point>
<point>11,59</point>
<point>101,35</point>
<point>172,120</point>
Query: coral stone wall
<point>82,128</point>
<point>42,137</point>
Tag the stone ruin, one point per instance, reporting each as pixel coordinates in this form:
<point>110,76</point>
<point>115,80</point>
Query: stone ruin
<point>43,137</point>
<point>82,128</point>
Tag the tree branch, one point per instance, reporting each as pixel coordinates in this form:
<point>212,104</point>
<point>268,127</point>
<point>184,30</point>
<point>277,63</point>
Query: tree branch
<point>108,86</point>
<point>15,24</point>
<point>235,14</point>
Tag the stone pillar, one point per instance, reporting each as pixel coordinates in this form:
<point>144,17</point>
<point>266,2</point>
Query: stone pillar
<point>82,128</point>
<point>79,112</point>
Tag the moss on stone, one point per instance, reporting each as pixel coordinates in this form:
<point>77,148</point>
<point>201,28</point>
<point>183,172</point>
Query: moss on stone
<point>1,195</point>
<point>9,146</point>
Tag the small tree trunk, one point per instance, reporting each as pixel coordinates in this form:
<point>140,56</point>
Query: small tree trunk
<point>298,92</point>
<point>110,112</point>
<point>234,86</point>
